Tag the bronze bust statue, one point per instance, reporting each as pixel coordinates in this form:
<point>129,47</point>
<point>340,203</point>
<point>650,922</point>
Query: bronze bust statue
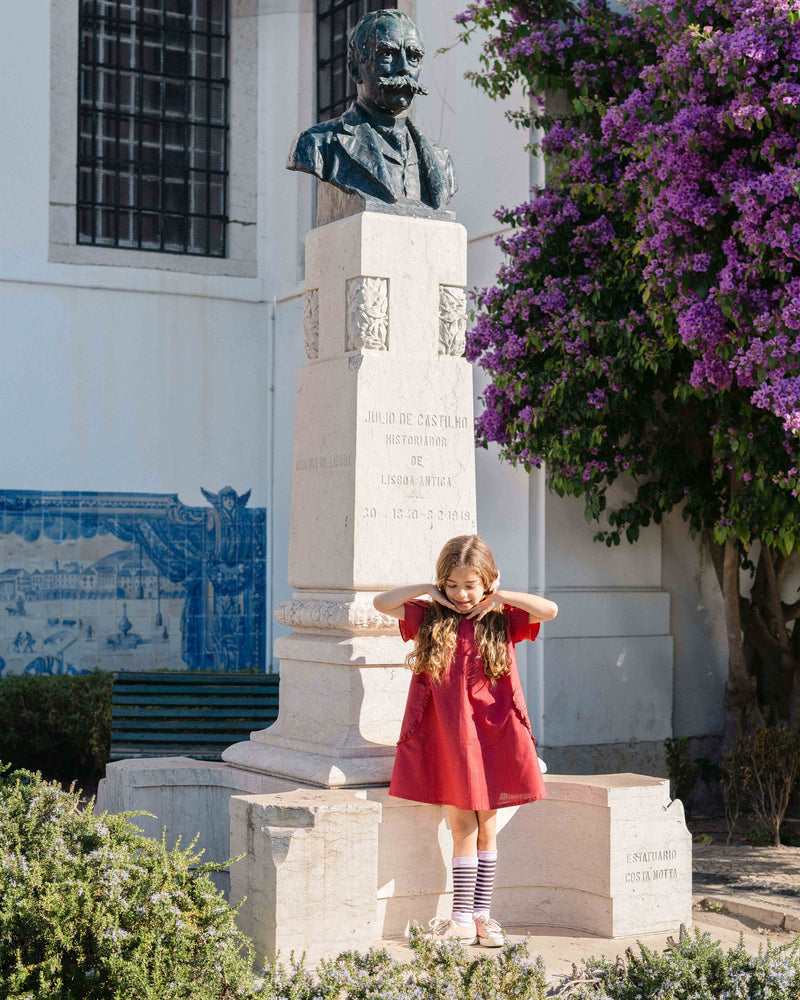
<point>373,150</point>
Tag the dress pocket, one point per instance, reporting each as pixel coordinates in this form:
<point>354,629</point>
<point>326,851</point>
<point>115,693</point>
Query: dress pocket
<point>418,697</point>
<point>522,712</point>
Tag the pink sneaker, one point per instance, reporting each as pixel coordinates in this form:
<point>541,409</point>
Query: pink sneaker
<point>443,929</point>
<point>490,934</point>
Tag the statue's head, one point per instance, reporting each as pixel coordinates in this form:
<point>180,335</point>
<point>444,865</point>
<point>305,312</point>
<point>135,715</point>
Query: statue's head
<point>385,58</point>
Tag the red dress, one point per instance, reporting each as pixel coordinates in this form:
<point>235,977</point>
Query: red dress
<point>465,742</point>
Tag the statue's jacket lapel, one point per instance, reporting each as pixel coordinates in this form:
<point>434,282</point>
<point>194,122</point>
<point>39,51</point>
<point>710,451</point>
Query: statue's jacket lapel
<point>358,142</point>
<point>437,186</point>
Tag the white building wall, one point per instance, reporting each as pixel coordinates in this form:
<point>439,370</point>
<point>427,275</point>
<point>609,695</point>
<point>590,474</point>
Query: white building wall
<point>113,377</point>
<point>131,391</point>
<point>698,625</point>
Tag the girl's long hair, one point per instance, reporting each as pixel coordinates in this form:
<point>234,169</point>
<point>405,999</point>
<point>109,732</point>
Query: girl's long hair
<point>436,638</point>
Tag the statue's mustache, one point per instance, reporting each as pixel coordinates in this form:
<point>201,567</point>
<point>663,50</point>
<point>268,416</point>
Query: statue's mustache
<point>402,83</point>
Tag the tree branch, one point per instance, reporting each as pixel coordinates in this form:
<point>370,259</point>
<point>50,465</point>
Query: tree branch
<point>791,612</point>
<point>781,565</point>
<point>773,596</point>
<point>739,677</point>
<point>757,631</point>
<point>716,552</point>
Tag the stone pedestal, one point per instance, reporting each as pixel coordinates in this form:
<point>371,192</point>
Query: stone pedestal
<point>383,476</point>
<point>605,854</point>
<point>306,881</point>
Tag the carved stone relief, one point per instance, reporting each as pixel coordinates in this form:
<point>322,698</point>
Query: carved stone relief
<point>341,616</point>
<point>368,314</point>
<point>311,322</point>
<point>452,320</point>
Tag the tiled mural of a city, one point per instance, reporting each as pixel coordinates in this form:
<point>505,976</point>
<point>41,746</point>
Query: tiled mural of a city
<point>130,581</point>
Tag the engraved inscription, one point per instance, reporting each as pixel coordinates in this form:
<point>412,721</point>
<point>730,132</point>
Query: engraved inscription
<point>452,320</point>
<point>420,440</point>
<point>368,314</point>
<point>323,463</point>
<point>652,875</point>
<point>651,866</point>
<point>391,418</point>
<point>311,323</point>
<point>422,477</point>
<point>643,857</point>
<point>407,513</point>
<point>391,479</point>
<point>423,482</point>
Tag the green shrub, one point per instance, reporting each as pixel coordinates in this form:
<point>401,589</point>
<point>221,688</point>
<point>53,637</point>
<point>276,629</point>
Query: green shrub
<point>60,726</point>
<point>91,910</point>
<point>762,772</point>
<point>438,970</point>
<point>697,969</point>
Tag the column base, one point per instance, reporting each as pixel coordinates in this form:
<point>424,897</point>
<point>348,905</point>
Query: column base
<point>317,770</point>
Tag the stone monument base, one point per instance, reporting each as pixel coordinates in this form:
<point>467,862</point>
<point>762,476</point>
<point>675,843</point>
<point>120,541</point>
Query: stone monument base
<point>607,855</point>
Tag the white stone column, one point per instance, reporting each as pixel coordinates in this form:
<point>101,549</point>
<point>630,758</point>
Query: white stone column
<point>383,476</point>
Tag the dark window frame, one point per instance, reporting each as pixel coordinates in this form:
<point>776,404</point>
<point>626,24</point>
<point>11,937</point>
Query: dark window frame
<point>335,21</point>
<point>153,125</point>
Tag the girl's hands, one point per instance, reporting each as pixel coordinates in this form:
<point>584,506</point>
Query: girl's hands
<point>489,603</point>
<point>436,595</point>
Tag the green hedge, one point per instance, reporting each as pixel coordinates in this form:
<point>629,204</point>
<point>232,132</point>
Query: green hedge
<point>92,910</point>
<point>696,968</point>
<point>60,726</point>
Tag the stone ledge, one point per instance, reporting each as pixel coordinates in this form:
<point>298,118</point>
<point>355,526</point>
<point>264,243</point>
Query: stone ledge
<point>316,770</point>
<point>765,913</point>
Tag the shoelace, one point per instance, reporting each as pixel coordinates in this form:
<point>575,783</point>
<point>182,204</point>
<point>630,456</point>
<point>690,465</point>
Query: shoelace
<point>439,925</point>
<point>489,924</point>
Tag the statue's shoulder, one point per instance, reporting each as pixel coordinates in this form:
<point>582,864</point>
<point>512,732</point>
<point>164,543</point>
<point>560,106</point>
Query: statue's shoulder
<point>440,153</point>
<point>308,147</point>
<point>437,160</point>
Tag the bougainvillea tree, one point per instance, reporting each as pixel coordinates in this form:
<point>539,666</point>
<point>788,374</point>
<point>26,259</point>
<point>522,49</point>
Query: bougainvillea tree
<point>646,320</point>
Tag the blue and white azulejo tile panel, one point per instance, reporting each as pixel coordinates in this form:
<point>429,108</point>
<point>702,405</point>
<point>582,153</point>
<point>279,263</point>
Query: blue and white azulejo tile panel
<point>130,581</point>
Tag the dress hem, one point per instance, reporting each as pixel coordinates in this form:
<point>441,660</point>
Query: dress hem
<point>439,802</point>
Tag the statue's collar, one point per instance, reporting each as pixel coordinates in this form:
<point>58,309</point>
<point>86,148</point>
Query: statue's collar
<point>379,119</point>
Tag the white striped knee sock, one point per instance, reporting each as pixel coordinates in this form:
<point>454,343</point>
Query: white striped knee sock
<point>484,882</point>
<point>465,871</point>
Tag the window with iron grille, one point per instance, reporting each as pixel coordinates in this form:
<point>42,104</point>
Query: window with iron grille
<point>335,21</point>
<point>152,125</point>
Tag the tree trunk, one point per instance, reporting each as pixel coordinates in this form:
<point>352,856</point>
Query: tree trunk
<point>740,691</point>
<point>767,624</point>
<point>794,712</point>
<point>741,704</point>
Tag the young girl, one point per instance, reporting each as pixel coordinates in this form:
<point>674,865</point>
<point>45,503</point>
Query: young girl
<point>466,739</point>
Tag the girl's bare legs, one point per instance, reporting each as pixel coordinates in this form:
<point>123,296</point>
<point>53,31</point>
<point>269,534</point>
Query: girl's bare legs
<point>487,829</point>
<point>464,827</point>
<point>472,831</point>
